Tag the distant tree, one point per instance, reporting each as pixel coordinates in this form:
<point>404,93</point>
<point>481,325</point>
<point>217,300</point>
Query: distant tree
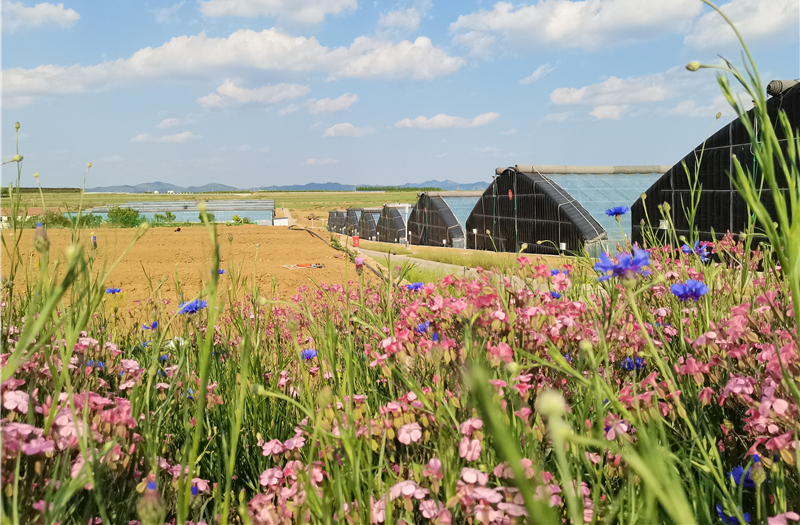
<point>87,221</point>
<point>124,217</point>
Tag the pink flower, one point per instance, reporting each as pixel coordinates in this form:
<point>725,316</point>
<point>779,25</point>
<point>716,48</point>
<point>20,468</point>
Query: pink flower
<point>471,424</point>
<point>295,443</point>
<point>430,509</point>
<point>272,448</point>
<point>561,282</point>
<point>38,446</point>
<point>407,489</point>
<point>16,400</point>
<point>469,449</point>
<point>378,514</point>
<point>410,432</point>
<point>487,495</point>
<point>271,477</point>
<point>780,519</point>
<point>474,476</point>
<point>433,469</point>
<point>502,352</point>
<point>705,396</point>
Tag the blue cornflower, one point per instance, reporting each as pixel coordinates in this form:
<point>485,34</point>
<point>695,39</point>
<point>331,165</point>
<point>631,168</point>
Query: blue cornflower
<point>691,289</point>
<point>191,395</point>
<point>628,265</point>
<point>151,327</point>
<point>221,271</point>
<point>700,251</point>
<point>555,295</point>
<point>568,357</point>
<point>151,485</point>
<point>435,337</point>
<point>617,211</point>
<point>415,286</point>
<point>630,363</point>
<point>89,363</point>
<point>191,307</point>
<point>163,358</point>
<point>422,327</point>
<point>113,291</point>
<point>736,475</point>
<point>555,271</point>
<point>100,365</point>
<point>308,354</point>
<point>731,520</point>
<point>195,490</point>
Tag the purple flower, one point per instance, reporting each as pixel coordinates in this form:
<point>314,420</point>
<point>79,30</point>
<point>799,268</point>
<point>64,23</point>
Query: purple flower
<point>191,307</point>
<point>113,291</point>
<point>308,354</point>
<point>617,211</point>
<point>555,295</point>
<point>359,262</point>
<point>700,251</point>
<point>691,289</point>
<point>628,265</point>
<point>151,327</point>
<point>415,286</point>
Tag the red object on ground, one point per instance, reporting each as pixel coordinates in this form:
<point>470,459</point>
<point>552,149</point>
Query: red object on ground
<point>355,241</point>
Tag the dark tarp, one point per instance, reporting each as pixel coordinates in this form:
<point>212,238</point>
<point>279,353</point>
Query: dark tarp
<point>367,224</point>
<point>433,223</point>
<point>721,208</point>
<point>529,208</point>
<point>392,224</point>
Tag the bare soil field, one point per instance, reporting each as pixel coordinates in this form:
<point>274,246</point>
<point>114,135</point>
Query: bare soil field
<point>162,252</point>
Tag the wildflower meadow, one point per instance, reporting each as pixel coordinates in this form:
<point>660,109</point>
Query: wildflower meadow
<point>657,384</point>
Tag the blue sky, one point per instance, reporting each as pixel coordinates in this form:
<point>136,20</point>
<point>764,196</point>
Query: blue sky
<point>261,92</point>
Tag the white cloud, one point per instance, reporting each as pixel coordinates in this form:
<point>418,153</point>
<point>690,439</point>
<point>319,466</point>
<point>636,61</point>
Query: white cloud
<point>326,105</point>
<point>536,75</point>
<point>510,132</point>
<point>608,112</point>
<point>169,123</point>
<point>166,15</point>
<point>200,56</point>
<point>754,19</point>
<point>440,155</point>
<point>446,121</point>
<point>113,159</point>
<point>321,162</point>
<point>345,129</point>
<point>490,151</point>
<point>302,11</point>
<point>645,88</point>
<point>479,43</point>
<point>17,16</point>
<point>558,117</point>
<point>176,138</point>
<point>587,24</point>
<point>407,19</point>
<point>244,147</point>
<point>689,108</point>
<point>230,94</point>
<point>264,149</point>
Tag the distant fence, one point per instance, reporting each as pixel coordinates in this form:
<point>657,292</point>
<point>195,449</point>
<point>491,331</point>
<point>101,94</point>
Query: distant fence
<point>396,188</point>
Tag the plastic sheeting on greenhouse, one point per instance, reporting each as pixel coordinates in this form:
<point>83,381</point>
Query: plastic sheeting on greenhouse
<point>367,224</point>
<point>336,221</point>
<point>436,219</point>
<point>530,211</point>
<point>721,208</point>
<point>392,223</point>
<point>600,192</point>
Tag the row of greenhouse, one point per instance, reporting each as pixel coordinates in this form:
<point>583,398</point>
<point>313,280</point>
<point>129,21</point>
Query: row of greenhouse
<point>564,209</point>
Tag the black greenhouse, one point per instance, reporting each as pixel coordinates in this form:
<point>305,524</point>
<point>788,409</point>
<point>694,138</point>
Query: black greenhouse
<point>522,206</point>
<point>392,223</point>
<point>438,218</point>
<point>721,209</point>
<point>351,221</point>
<point>336,219</point>
<point>368,223</point>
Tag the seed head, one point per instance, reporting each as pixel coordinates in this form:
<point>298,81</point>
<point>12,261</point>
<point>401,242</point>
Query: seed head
<point>694,65</point>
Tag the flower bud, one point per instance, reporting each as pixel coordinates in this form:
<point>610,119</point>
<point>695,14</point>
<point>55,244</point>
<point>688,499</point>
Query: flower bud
<point>757,473</point>
<point>201,206</point>
<point>644,196</point>
<point>88,165</point>
<point>719,115</point>
<point>551,404</point>
<point>359,265</point>
<point>17,158</point>
<point>694,65</point>
<point>325,397</point>
<point>40,241</point>
<point>524,246</point>
<point>94,241</point>
<point>16,126</point>
<point>36,175</point>
<point>151,507</point>
<point>230,237</point>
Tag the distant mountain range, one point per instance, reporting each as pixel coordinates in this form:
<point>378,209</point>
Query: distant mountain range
<point>164,187</point>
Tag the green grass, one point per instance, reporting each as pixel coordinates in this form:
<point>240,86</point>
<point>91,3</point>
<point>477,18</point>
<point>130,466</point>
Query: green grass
<point>396,249</point>
<point>486,260</point>
<point>298,200</point>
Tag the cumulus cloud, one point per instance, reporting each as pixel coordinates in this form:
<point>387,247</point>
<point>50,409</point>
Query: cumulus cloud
<point>327,105</point>
<point>176,138</point>
<point>645,88</point>
<point>18,16</point>
<point>586,24</point>
<point>204,57</point>
<point>536,75</point>
<point>169,123</point>
<point>301,11</point>
<point>229,94</point>
<point>608,112</point>
<point>406,19</point>
<point>321,162</point>
<point>755,20</point>
<point>168,15</point>
<point>345,129</point>
<point>690,108</point>
<point>446,121</point>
